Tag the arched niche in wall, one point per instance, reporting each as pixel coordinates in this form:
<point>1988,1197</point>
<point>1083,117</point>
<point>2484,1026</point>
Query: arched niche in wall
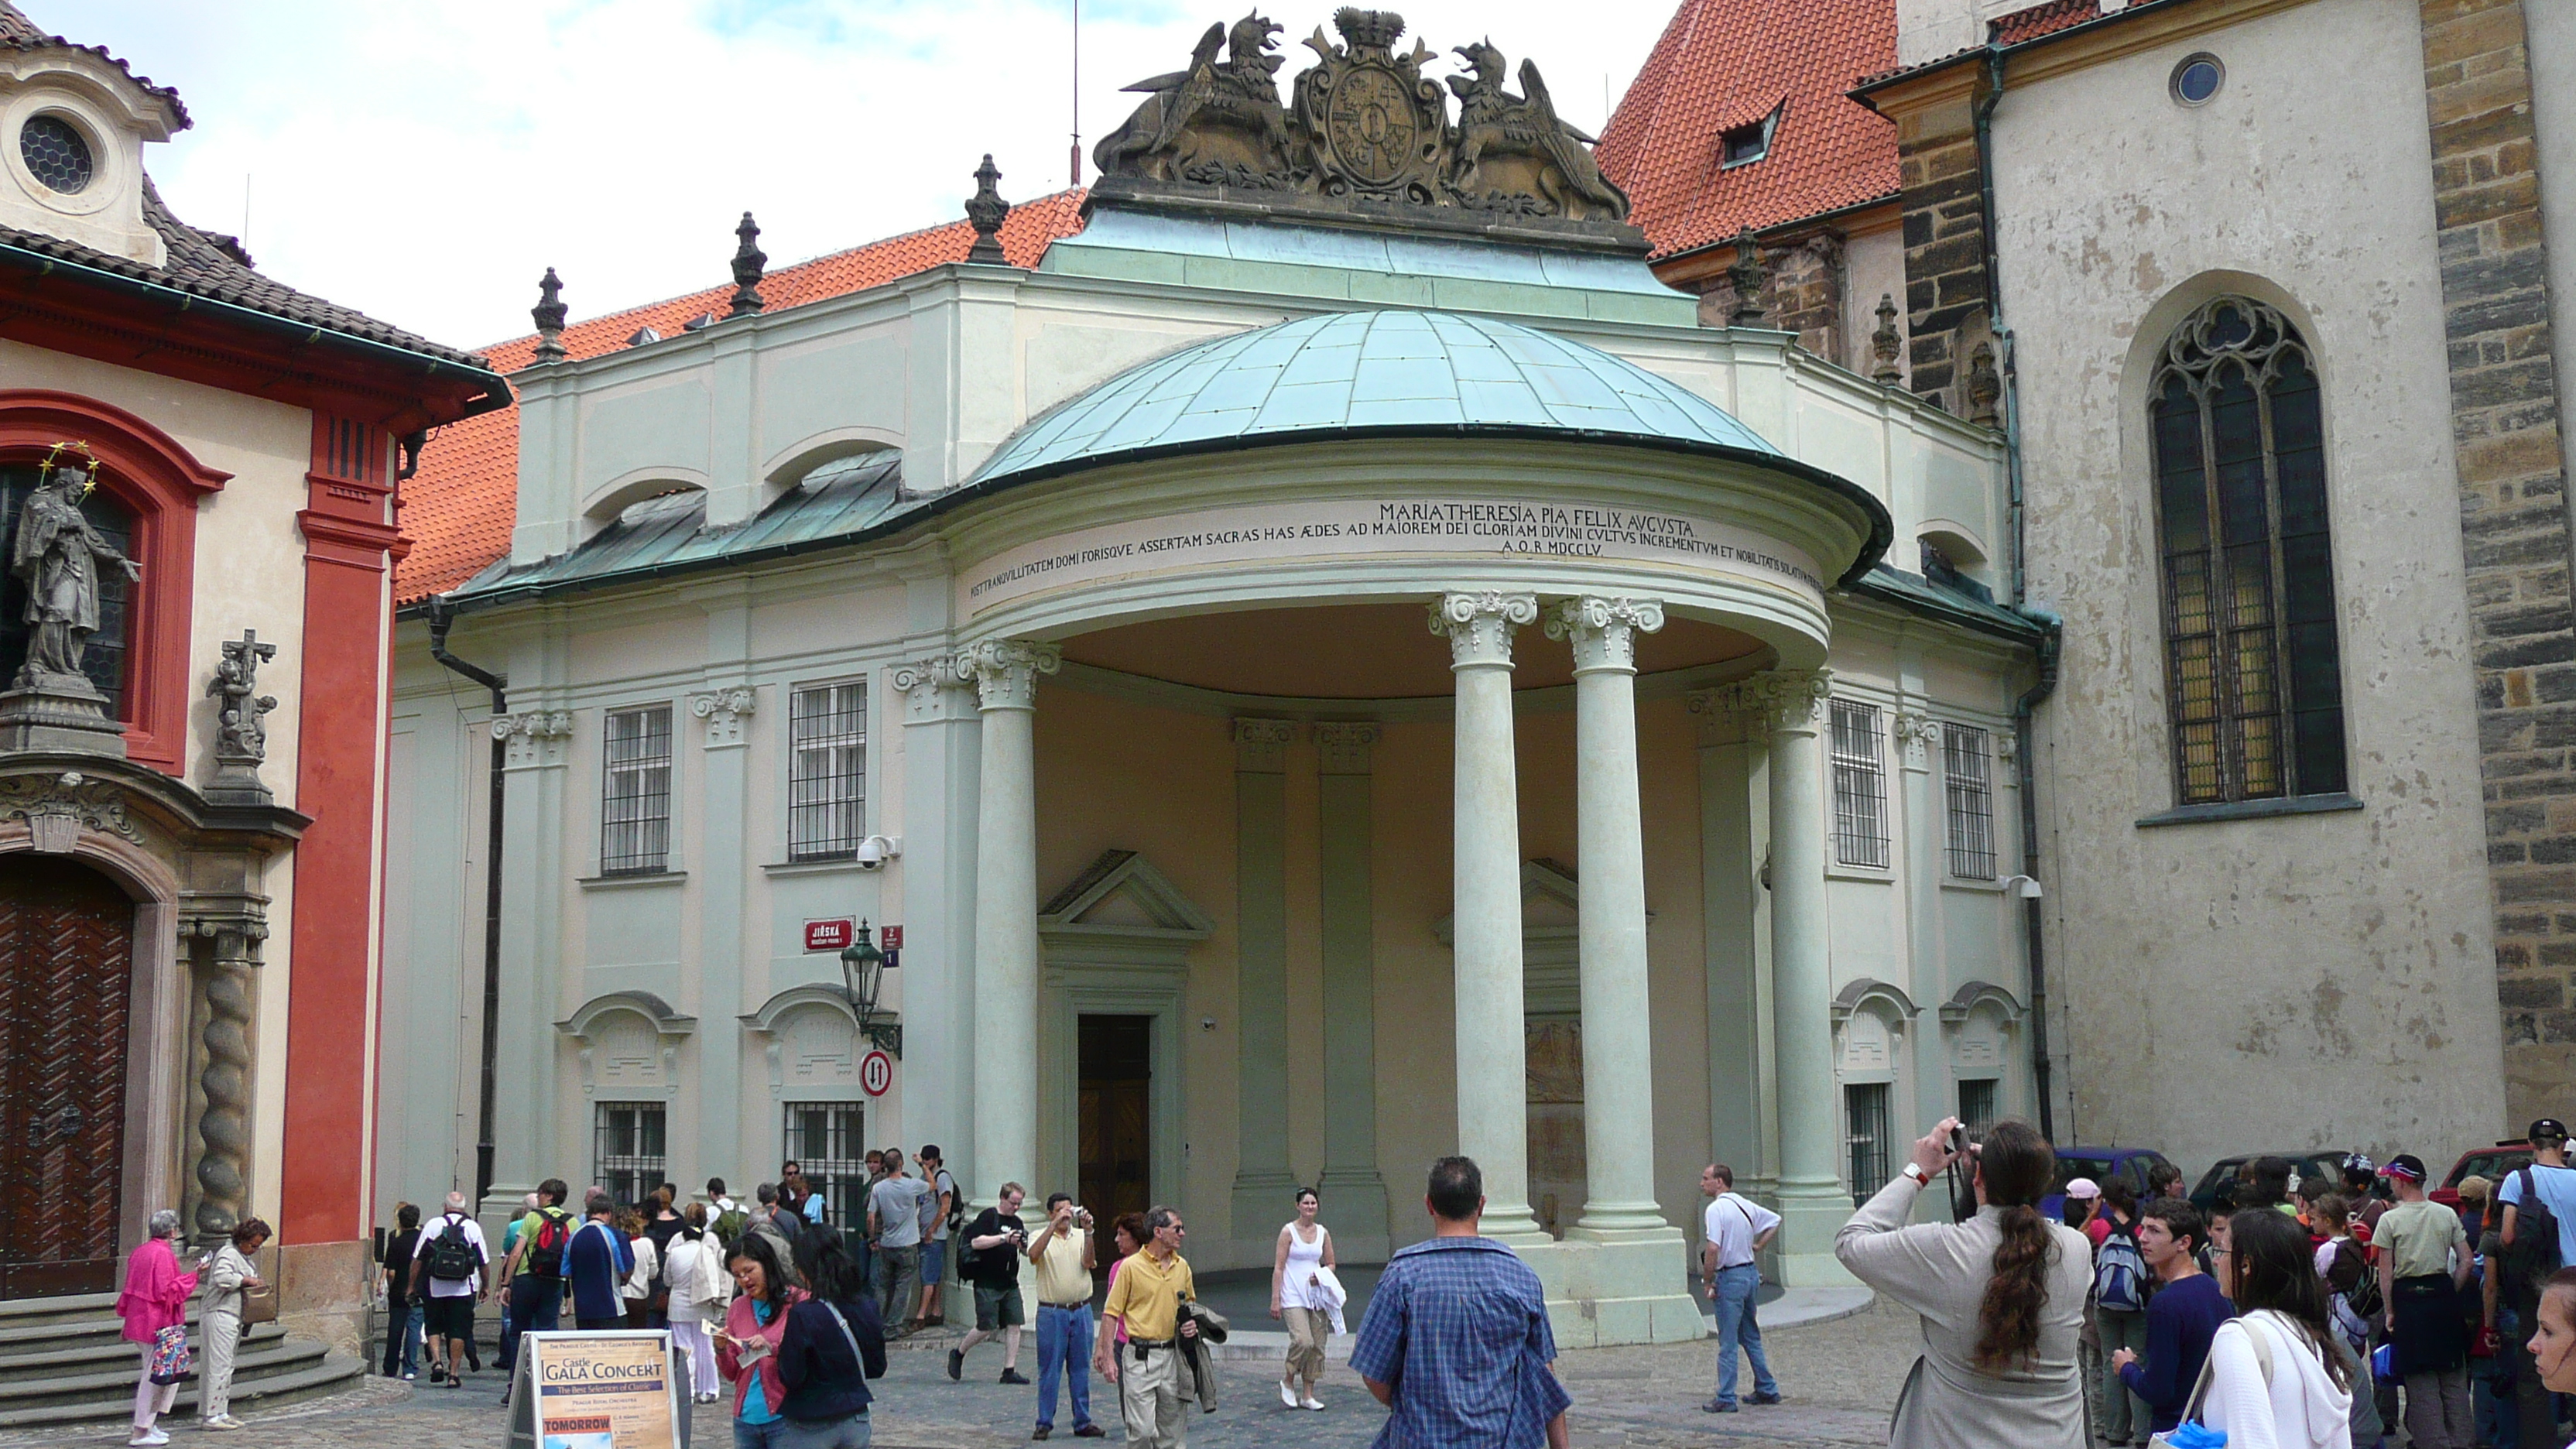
<point>629,1043</point>
<point>1982,1024</point>
<point>811,1041</point>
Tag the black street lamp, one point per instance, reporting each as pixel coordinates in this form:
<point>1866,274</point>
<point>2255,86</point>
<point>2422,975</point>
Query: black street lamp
<point>863,974</point>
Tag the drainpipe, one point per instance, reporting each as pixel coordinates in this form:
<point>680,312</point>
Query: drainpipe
<point>442,614</point>
<point>2052,638</point>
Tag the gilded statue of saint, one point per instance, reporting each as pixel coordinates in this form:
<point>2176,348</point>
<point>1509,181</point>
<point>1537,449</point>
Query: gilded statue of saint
<point>57,553</point>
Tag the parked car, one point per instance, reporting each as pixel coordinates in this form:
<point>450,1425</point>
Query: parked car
<point>2102,1164</point>
<point>2491,1163</point>
<point>2323,1162</point>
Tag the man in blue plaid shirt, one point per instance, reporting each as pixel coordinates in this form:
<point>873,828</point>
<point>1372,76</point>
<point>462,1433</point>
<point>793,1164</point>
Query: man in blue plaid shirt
<point>1456,1339</point>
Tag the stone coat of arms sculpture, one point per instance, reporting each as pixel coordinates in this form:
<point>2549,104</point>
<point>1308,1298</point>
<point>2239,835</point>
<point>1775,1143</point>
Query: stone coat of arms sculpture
<point>1366,131</point>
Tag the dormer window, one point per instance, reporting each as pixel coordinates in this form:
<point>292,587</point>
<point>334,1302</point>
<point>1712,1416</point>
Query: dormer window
<point>1746,144</point>
<point>57,154</point>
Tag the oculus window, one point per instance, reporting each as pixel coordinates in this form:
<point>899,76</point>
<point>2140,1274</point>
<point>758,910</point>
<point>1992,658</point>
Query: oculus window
<point>56,154</point>
<point>2254,683</point>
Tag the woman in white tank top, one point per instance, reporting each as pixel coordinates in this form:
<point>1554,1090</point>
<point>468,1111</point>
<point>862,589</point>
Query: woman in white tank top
<point>1304,1247</point>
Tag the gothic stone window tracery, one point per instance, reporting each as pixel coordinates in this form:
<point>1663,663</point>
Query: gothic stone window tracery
<point>2254,684</point>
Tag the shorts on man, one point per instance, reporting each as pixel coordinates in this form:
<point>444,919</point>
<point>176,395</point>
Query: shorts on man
<point>997,1306</point>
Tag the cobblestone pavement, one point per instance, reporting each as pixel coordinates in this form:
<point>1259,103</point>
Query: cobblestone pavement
<point>1841,1377</point>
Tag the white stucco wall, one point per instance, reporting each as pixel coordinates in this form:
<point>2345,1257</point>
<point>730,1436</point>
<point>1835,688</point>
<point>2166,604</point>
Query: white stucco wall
<point>2300,954</point>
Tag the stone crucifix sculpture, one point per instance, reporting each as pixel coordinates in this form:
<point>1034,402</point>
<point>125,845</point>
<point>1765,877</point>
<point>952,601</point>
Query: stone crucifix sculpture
<point>58,553</point>
<point>241,730</point>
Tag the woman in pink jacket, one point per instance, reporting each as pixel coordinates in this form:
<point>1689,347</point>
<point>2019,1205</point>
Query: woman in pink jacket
<point>155,1297</point>
<point>747,1347</point>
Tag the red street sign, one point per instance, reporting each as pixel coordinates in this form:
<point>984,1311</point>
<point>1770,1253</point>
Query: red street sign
<point>876,1073</point>
<point>831,934</point>
<point>891,937</point>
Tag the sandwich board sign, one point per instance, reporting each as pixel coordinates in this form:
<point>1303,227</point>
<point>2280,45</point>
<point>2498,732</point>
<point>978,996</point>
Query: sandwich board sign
<point>616,1389</point>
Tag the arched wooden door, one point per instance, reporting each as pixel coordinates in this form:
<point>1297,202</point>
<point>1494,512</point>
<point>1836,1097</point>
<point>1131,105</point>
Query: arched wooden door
<point>66,978</point>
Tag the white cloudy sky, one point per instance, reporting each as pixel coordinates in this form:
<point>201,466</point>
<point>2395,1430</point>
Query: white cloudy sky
<point>425,160</point>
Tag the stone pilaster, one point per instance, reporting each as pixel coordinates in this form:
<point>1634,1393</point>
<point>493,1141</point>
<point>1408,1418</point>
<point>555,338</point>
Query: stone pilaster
<point>2514,524</point>
<point>1354,1194</point>
<point>1262,1184</point>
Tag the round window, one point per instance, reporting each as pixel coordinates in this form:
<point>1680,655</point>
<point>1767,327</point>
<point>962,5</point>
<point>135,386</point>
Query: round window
<point>2198,78</point>
<point>56,154</point>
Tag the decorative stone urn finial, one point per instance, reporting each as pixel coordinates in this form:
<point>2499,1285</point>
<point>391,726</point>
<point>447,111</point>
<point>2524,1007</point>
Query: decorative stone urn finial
<point>984,211</point>
<point>749,263</point>
<point>1883,343</point>
<point>550,312</point>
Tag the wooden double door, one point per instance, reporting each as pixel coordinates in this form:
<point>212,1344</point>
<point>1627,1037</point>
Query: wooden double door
<point>66,983</point>
<point>1116,1131</point>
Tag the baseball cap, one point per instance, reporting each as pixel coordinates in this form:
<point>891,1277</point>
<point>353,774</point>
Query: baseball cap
<point>2408,1166</point>
<point>2359,1162</point>
<point>2083,1187</point>
<point>2547,1129</point>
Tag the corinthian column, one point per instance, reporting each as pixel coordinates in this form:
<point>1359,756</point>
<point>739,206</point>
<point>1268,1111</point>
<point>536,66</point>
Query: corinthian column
<point>1812,1202</point>
<point>1005,673</point>
<point>1618,1072</point>
<point>1493,1083</point>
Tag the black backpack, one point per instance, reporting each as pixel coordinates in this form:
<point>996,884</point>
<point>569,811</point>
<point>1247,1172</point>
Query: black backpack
<point>451,1258</point>
<point>2534,1253</point>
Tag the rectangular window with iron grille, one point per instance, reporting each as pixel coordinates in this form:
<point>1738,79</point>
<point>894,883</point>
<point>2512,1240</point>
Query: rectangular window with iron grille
<point>1866,1106</point>
<point>827,773</point>
<point>635,799</point>
<point>1977,1105</point>
<point>828,1140</point>
<point>632,1154</point>
<point>1860,786</point>
<point>1967,765</point>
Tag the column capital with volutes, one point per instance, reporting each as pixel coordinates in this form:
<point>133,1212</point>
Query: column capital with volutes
<point>1604,630</point>
<point>1478,625</point>
<point>1776,699</point>
<point>934,689</point>
<point>1005,671</point>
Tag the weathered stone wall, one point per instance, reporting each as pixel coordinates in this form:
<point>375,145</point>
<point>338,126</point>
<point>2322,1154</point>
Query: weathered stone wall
<point>2228,983</point>
<point>1946,283</point>
<point>2513,517</point>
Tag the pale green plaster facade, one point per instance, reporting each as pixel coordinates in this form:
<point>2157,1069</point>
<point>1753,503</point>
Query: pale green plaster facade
<point>1163,735</point>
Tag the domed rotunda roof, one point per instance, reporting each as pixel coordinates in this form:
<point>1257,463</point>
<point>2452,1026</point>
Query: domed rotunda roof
<point>1381,373</point>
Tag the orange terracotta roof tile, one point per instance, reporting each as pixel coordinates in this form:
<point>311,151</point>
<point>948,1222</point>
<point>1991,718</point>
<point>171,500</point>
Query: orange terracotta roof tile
<point>2036,22</point>
<point>1727,63</point>
<point>459,508</point>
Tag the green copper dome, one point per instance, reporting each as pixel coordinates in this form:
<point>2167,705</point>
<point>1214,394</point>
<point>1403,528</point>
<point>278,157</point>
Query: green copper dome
<point>1380,373</point>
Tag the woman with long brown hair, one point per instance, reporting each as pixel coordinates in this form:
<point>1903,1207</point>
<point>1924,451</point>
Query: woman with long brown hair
<point>2001,1296</point>
<point>2278,1378</point>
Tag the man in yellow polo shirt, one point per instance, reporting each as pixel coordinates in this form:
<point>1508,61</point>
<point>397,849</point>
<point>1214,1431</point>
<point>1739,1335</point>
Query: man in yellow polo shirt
<point>1146,1301</point>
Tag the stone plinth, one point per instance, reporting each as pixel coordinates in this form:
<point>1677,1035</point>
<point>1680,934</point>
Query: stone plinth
<point>62,713</point>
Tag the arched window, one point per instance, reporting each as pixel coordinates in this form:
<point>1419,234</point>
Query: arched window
<point>2254,689</point>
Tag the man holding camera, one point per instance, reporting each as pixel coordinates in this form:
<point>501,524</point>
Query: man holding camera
<point>997,1238</point>
<point>1064,1256</point>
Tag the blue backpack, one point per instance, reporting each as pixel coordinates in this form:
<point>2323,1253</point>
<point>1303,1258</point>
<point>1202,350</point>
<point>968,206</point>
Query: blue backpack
<point>2119,1272</point>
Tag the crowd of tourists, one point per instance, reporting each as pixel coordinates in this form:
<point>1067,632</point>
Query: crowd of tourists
<point>2300,1315</point>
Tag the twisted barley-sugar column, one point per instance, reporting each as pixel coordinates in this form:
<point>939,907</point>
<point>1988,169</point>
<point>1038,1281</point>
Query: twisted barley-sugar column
<point>1005,672</point>
<point>1618,1070</point>
<point>1493,1083</point>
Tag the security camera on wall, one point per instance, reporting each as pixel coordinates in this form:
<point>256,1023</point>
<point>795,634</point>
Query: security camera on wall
<point>875,850</point>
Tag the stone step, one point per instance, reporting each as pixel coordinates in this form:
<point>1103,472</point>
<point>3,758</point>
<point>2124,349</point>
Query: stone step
<point>31,1333</point>
<point>93,1352</point>
<point>308,1374</point>
<point>102,1388</point>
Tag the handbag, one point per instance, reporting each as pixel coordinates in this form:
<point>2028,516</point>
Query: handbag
<point>171,1361</point>
<point>2191,1433</point>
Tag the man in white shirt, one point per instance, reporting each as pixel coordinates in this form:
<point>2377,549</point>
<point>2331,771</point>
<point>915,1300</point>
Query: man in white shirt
<point>1737,1229</point>
<point>450,1268</point>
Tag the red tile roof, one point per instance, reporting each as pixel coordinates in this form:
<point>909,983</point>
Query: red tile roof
<point>459,509</point>
<point>1726,63</point>
<point>2039,20</point>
